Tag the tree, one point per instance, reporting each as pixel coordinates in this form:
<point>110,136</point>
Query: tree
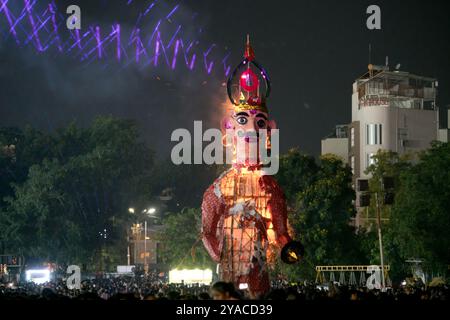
<point>26,148</point>
<point>81,185</point>
<point>31,220</point>
<point>386,164</point>
<point>296,172</point>
<point>181,238</point>
<point>322,212</point>
<point>419,226</point>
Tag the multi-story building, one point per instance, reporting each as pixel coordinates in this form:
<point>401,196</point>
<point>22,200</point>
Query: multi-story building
<point>391,110</point>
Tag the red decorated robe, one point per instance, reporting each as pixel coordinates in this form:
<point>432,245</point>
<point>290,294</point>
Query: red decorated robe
<point>244,213</point>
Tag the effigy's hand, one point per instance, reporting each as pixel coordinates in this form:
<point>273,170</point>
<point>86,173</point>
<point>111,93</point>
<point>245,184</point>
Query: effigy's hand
<point>292,252</point>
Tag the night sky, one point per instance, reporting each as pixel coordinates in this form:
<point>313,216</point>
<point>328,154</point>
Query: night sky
<point>312,50</point>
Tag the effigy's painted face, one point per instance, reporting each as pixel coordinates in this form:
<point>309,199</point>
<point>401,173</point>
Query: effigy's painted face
<point>245,127</point>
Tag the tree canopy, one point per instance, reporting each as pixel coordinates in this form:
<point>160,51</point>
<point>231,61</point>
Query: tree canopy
<point>419,225</point>
<point>321,198</point>
<point>181,237</point>
<point>61,190</point>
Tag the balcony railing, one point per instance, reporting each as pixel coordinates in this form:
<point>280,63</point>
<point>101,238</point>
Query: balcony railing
<point>399,90</point>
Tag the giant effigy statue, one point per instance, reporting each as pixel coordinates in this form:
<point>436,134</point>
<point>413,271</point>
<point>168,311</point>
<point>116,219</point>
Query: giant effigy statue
<point>244,213</point>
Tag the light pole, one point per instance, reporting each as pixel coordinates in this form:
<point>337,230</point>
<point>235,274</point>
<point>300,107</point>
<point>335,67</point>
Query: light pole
<point>130,210</point>
<point>136,228</point>
<point>136,237</point>
<point>150,213</point>
<point>128,250</point>
<point>145,247</point>
<point>386,190</point>
<point>380,241</point>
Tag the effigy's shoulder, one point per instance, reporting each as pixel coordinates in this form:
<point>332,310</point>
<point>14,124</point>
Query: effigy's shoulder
<point>215,189</point>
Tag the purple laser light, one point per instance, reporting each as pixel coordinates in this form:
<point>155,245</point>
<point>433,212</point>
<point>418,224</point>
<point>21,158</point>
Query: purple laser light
<point>33,26</point>
<point>43,26</point>
<point>5,9</point>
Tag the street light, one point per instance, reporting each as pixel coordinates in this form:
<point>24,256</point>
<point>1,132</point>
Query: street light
<point>130,210</point>
<point>137,228</point>
<point>150,212</point>
<point>145,247</point>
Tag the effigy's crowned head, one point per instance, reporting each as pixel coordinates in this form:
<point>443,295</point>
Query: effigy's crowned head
<point>249,86</point>
<point>247,121</point>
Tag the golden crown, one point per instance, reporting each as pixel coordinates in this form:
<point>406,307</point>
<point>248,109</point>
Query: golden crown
<point>248,85</point>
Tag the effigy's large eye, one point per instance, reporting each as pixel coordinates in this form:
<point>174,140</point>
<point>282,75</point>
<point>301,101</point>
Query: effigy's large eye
<point>261,123</point>
<point>241,120</point>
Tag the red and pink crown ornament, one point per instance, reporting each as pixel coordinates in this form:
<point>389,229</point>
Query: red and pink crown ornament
<point>249,85</point>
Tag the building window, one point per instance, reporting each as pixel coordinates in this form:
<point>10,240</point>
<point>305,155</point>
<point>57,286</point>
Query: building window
<point>352,137</point>
<point>373,133</point>
<point>369,159</point>
<point>341,131</point>
<point>352,164</point>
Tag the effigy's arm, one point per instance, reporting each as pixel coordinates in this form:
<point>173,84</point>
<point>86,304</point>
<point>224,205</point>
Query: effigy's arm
<point>278,209</point>
<point>212,210</point>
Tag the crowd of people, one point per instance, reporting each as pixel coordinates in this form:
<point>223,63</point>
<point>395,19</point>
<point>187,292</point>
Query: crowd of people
<point>152,287</point>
